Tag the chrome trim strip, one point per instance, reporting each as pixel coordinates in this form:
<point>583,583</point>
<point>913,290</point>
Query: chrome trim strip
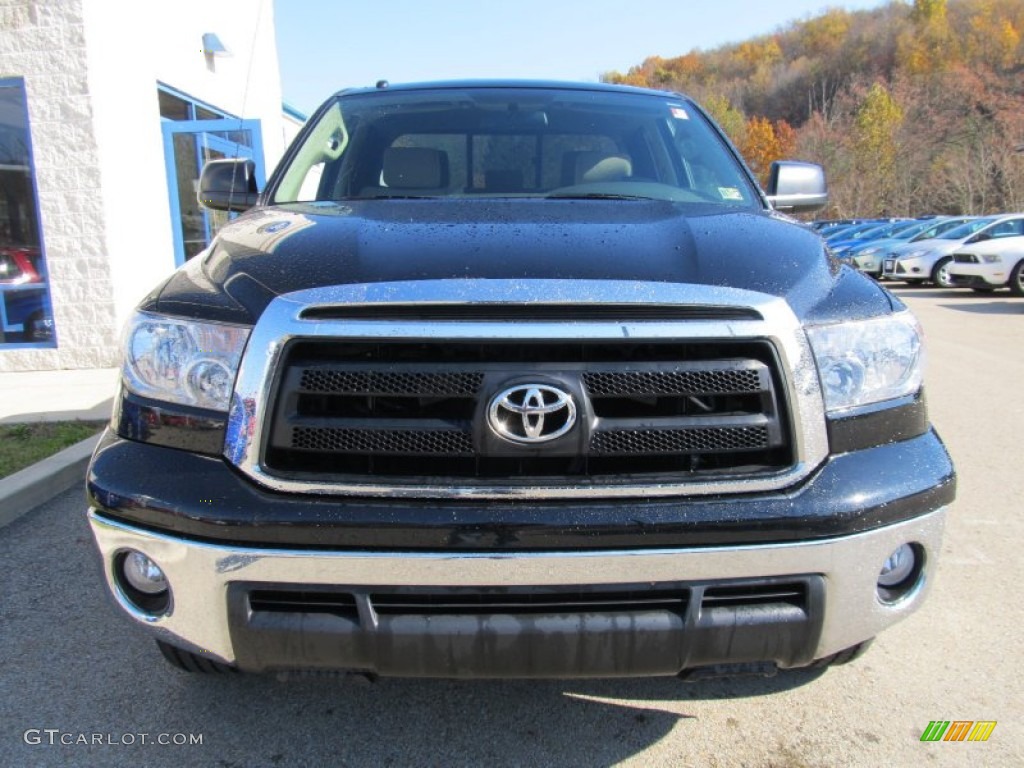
<point>282,321</point>
<point>199,574</point>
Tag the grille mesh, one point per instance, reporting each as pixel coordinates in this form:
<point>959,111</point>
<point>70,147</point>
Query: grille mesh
<point>672,382</point>
<point>696,440</point>
<point>411,441</point>
<point>390,383</point>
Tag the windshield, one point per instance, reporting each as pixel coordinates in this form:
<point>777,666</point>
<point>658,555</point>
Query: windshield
<point>937,229</point>
<point>905,232</point>
<point>853,233</point>
<point>965,230</point>
<point>485,142</point>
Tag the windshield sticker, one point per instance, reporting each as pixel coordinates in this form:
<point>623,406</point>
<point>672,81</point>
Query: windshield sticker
<point>730,193</point>
<point>679,113</point>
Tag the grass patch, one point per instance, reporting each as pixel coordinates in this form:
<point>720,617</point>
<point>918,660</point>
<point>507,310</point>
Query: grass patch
<point>25,444</point>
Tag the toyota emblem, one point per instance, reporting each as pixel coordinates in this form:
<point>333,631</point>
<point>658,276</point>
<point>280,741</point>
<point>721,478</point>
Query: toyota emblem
<point>531,413</point>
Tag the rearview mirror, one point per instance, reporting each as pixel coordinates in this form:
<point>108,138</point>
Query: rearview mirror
<point>228,185</point>
<point>795,187</point>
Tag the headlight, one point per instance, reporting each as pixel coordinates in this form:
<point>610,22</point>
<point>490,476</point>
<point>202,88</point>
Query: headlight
<point>182,361</point>
<point>868,361</point>
<point>869,251</point>
<point>913,254</point>
<point>991,258</point>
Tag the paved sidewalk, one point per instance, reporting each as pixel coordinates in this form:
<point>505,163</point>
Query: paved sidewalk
<point>51,396</point>
<point>57,395</point>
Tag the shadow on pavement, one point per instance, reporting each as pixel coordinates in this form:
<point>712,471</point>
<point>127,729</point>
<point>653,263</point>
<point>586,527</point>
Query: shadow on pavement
<point>1012,307</point>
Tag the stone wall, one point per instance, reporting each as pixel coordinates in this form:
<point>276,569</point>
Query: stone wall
<point>43,42</point>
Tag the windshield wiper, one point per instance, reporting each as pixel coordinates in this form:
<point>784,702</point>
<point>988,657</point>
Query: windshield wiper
<point>598,196</point>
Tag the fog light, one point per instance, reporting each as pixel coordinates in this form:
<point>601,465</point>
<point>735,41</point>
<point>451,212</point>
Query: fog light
<point>898,567</point>
<point>143,574</point>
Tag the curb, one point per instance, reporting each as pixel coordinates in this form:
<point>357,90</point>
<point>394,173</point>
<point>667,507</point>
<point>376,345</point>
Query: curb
<point>26,489</point>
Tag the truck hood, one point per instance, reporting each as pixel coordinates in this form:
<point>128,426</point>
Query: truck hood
<point>274,251</point>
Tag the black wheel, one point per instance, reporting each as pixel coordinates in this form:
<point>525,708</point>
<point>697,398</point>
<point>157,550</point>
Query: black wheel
<point>844,656</point>
<point>191,662</point>
<point>940,273</point>
<point>1017,279</point>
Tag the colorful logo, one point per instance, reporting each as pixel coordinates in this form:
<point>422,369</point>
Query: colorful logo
<point>958,730</point>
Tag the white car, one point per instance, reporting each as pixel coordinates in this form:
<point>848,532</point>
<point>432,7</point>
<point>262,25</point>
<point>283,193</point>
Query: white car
<point>991,264</point>
<point>931,259</point>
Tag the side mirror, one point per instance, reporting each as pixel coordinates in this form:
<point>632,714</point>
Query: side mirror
<point>797,187</point>
<point>980,237</point>
<point>228,185</point>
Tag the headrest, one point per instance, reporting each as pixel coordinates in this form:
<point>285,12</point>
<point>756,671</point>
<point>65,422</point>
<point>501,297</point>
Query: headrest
<point>415,168</point>
<point>590,167</point>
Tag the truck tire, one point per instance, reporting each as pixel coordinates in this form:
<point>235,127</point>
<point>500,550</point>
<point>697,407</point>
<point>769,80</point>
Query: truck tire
<point>1017,279</point>
<point>191,662</point>
<point>940,274</point>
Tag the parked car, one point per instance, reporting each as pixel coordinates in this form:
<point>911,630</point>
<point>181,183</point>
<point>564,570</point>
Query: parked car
<point>929,260</point>
<point>847,240</point>
<point>496,380</point>
<point>828,227</point>
<point>26,315</point>
<point>868,257</point>
<point>990,264</point>
<point>20,265</point>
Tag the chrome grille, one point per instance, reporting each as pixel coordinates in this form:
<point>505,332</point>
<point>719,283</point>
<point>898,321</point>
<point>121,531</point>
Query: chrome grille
<point>405,411</point>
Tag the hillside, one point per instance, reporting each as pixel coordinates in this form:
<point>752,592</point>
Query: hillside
<point>911,107</point>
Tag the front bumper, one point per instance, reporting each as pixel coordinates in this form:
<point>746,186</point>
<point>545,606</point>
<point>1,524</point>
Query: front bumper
<point>978,275</point>
<point>214,611</point>
<point>869,265</point>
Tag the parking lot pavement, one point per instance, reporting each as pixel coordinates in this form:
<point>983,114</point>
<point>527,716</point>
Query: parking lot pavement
<point>74,670</point>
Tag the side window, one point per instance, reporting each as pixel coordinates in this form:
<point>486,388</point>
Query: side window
<point>1011,228</point>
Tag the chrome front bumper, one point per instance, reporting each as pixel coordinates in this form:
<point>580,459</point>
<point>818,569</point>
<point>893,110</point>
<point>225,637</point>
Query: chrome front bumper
<point>200,575</point>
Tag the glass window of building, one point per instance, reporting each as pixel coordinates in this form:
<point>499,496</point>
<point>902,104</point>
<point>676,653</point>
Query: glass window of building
<point>26,313</point>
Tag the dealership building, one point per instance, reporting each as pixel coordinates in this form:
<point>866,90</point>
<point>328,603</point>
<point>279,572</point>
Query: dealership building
<point>108,109</point>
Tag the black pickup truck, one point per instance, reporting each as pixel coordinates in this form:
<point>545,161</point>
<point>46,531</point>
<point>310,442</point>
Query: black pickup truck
<point>515,379</point>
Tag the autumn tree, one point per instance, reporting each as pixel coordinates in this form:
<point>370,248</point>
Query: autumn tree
<point>929,46</point>
<point>731,119</point>
<point>764,143</point>
<point>992,38</point>
<point>877,123</point>
<point>913,106</point>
